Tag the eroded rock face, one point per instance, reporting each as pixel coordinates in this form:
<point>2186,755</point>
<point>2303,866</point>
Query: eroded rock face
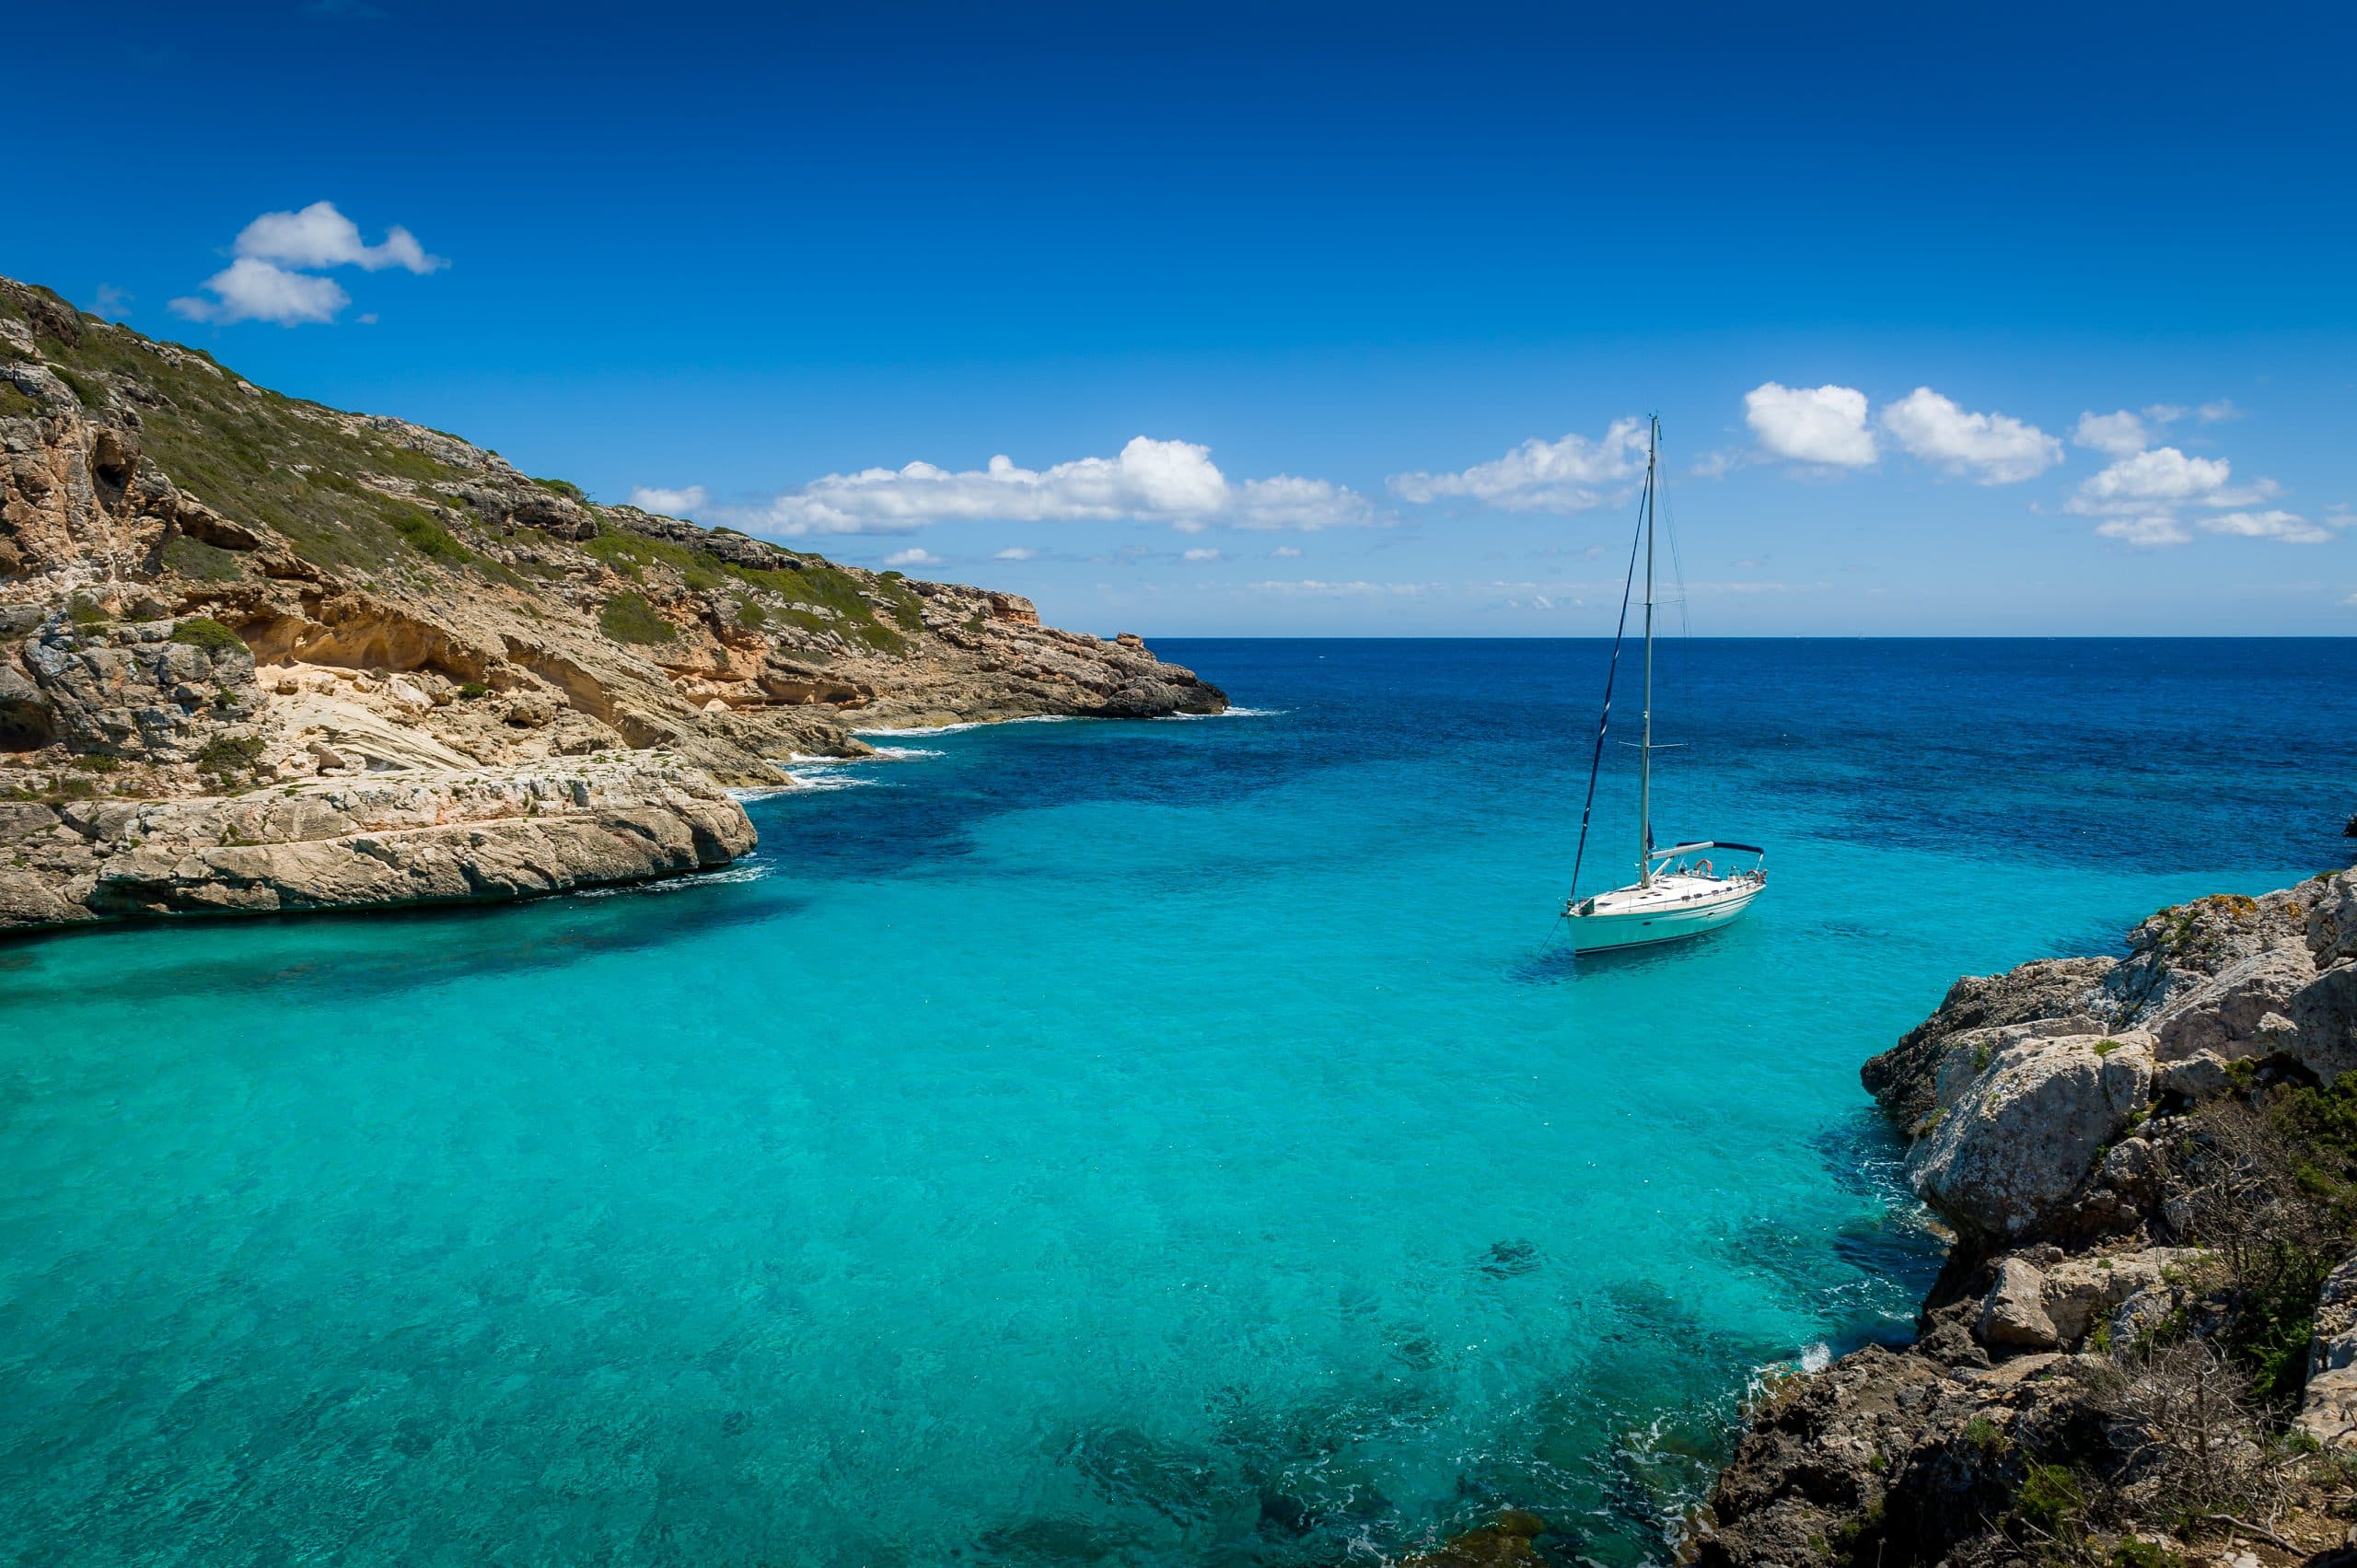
<point>2059,995</point>
<point>2021,1138</point>
<point>2331,917</point>
<point>391,839</point>
<point>2184,946</point>
<point>133,690</point>
<point>2224,1013</point>
<point>2322,1037</point>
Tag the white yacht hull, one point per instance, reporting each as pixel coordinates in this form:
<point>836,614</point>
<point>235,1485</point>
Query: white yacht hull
<point>1672,909</point>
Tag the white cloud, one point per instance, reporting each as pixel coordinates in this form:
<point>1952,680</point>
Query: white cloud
<point>669,502</point>
<point>1200,555</point>
<point>1993,449</point>
<point>2123,433</point>
<point>2287,527</point>
<point>1286,502</point>
<point>111,303</point>
<point>912,557</point>
<point>2163,476</point>
<point>2144,488</point>
<point>2146,533</point>
<point>1014,553</point>
<point>2117,435</point>
<point>252,290</point>
<point>268,281</point>
<point>321,237</point>
<point>1811,424</point>
<point>1149,480</point>
<point>1566,475</point>
<point>1285,552</point>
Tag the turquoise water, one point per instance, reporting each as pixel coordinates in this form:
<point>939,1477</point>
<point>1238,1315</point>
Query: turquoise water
<point>1148,1143</point>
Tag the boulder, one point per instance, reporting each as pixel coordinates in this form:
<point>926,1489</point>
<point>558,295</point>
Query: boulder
<point>2331,917</point>
<point>2222,1013</point>
<point>2084,1292</point>
<point>2006,1160</point>
<point>2323,1016</point>
<point>2013,1315</point>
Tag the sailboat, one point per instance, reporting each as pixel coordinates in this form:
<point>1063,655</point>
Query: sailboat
<point>1680,891</point>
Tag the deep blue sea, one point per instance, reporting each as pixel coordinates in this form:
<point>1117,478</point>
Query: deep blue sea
<point>1145,1144</point>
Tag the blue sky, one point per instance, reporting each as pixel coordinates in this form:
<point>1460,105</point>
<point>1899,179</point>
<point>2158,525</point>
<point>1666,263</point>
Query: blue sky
<point>1296,318</point>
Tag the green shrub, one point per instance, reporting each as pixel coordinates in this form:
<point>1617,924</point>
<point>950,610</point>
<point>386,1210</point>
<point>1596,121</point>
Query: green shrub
<point>563,487</point>
<point>84,611</point>
<point>1983,1433</point>
<point>628,618</point>
<point>203,632</point>
<point>87,388</point>
<point>206,563</point>
<point>2050,1499</point>
<point>473,690</point>
<point>2134,1551</point>
<point>421,533</point>
<point>229,754</point>
<point>98,763</point>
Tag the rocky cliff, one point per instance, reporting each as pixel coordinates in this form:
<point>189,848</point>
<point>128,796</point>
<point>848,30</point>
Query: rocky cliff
<point>2143,1347</point>
<point>256,652</point>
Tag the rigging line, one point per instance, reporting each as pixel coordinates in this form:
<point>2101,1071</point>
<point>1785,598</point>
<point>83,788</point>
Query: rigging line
<point>1676,567</point>
<point>1603,719</point>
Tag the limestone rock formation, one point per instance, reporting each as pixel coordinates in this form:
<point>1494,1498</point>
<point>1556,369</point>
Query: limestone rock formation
<point>2062,994</point>
<point>2020,1138</point>
<point>2108,1141</point>
<point>207,589</point>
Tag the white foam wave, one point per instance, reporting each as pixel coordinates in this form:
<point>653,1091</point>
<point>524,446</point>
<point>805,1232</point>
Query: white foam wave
<point>828,778</point>
<point>676,884</point>
<point>960,728</point>
<point>1233,713</point>
<point>897,754</point>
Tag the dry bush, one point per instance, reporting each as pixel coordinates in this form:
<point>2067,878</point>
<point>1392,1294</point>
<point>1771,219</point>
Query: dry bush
<point>2240,1188</point>
<point>2191,1437</point>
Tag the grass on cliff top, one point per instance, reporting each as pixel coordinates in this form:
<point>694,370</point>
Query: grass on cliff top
<point>810,581</point>
<point>203,631</point>
<point>205,563</point>
<point>629,618</point>
<point>260,457</point>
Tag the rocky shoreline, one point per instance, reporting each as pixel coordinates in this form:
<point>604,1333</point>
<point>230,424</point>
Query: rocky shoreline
<point>260,654</point>
<point>2143,1348</point>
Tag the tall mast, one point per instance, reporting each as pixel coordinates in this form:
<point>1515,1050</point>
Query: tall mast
<point>1645,751</point>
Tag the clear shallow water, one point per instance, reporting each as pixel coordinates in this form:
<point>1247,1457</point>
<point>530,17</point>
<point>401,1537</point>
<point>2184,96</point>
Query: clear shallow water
<point>1148,1143</point>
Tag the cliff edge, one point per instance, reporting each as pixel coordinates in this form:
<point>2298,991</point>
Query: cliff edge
<point>2142,1350</point>
<point>256,652</point>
